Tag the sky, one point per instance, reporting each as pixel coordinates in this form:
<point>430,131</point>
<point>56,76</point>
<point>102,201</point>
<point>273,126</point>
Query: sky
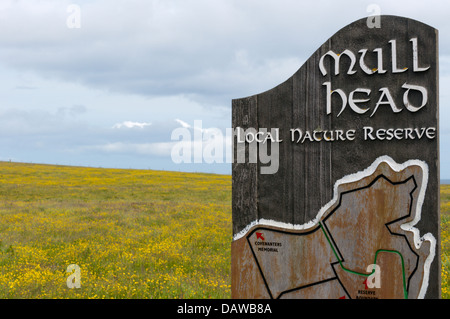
<point>105,83</point>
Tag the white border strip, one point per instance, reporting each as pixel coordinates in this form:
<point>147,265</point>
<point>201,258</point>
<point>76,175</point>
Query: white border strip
<point>354,178</point>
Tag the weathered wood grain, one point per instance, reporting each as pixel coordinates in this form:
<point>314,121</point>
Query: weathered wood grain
<point>308,171</point>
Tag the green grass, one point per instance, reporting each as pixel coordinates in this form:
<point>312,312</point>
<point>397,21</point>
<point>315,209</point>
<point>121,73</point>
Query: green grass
<point>133,233</point>
<point>445,241</point>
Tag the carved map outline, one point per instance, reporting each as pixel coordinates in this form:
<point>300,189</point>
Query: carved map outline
<point>327,273</point>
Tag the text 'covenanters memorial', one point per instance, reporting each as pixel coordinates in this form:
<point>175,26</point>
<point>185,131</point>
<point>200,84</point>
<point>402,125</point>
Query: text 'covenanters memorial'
<point>351,209</point>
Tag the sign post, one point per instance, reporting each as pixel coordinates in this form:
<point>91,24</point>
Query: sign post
<point>336,172</point>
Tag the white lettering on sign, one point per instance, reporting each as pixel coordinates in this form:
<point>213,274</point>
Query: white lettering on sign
<point>399,133</point>
<point>419,88</point>
<point>416,67</point>
<point>368,133</point>
<point>385,98</point>
<point>337,58</point>
<point>298,136</point>
<point>358,104</point>
<point>261,136</point>
<point>368,70</point>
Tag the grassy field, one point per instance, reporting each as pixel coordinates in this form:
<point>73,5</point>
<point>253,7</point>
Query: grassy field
<point>445,240</point>
<point>133,233</point>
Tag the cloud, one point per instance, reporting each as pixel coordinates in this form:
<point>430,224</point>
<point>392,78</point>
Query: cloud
<point>73,110</point>
<point>25,87</point>
<point>130,124</point>
<point>158,60</point>
<point>187,137</point>
<point>210,50</point>
<point>182,123</point>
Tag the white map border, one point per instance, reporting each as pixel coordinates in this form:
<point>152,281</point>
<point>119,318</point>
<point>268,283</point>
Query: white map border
<point>354,178</point>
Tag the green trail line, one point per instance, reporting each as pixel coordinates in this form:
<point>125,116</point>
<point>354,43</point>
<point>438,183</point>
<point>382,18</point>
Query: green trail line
<point>405,292</point>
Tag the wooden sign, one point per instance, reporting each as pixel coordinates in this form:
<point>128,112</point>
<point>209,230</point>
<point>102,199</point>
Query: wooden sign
<point>336,172</point>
